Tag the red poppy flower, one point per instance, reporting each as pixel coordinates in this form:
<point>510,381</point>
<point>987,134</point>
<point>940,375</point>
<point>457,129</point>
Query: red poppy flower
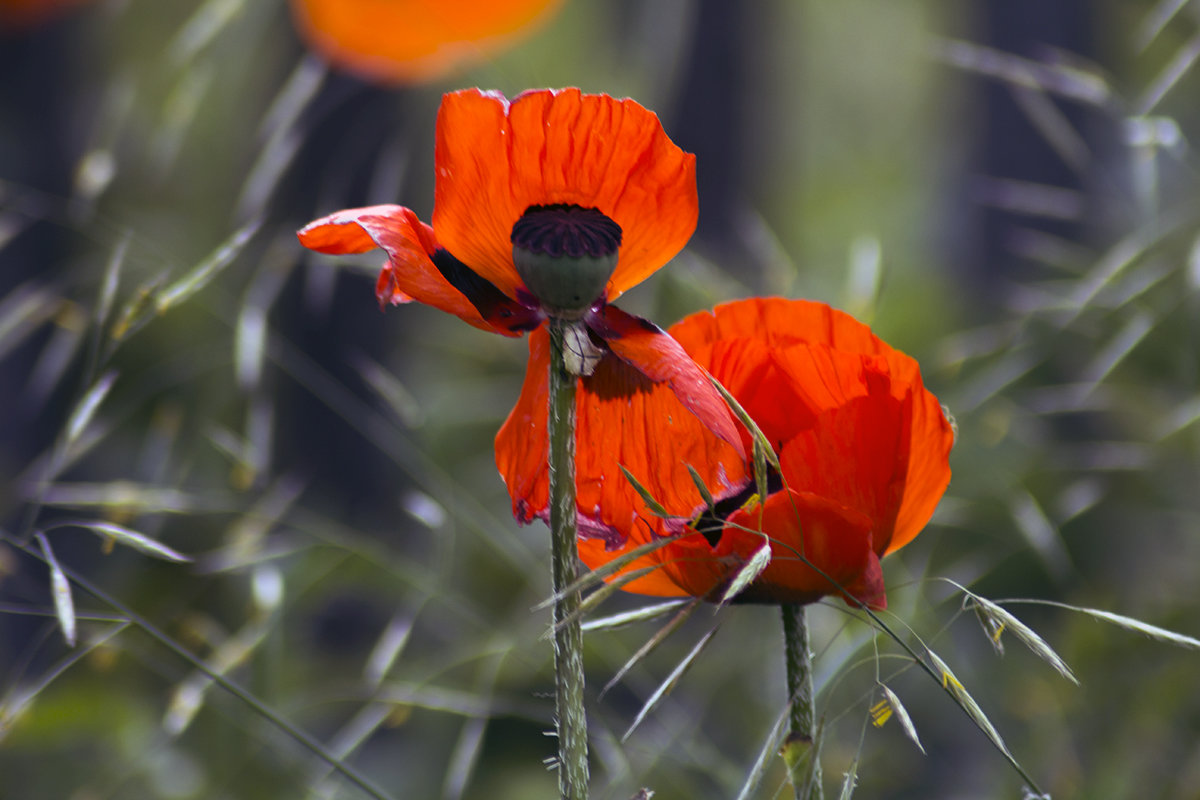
<point>555,204</point>
<point>409,41</point>
<point>863,451</point>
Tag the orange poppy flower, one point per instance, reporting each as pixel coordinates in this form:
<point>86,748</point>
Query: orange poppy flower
<point>531,195</point>
<point>863,451</point>
<point>410,41</point>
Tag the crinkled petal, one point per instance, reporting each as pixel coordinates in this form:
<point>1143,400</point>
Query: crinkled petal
<point>657,356</point>
<point>884,448</point>
<point>856,455</point>
<point>749,370</point>
<point>622,419</point>
<point>495,160</point>
<point>788,361</point>
<point>408,41</point>
<point>818,548</point>
<point>778,321</point>
<point>411,272</point>
<point>523,444</point>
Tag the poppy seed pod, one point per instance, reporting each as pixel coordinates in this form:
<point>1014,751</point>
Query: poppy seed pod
<point>565,254</point>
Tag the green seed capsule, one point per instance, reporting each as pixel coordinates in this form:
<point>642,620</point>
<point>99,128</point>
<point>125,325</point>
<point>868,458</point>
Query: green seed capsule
<point>565,255</point>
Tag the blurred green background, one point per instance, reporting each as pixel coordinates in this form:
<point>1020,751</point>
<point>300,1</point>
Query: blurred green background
<point>1006,190</point>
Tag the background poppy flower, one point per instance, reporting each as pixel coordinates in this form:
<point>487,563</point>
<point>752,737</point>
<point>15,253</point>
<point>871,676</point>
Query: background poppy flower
<point>600,174</point>
<point>863,450</point>
<point>409,41</point>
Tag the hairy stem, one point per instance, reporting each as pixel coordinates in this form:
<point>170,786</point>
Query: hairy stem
<point>802,748</point>
<point>568,637</point>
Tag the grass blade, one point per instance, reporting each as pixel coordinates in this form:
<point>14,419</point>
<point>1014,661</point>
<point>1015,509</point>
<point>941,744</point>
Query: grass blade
<point>624,618</point>
<point>1155,20</point>
<point>1185,58</point>
<point>956,690</point>
<point>64,606</point>
<point>1000,620</point>
<point>206,270</point>
<point>361,727</point>
<point>769,749</point>
<point>19,698</point>
<point>1122,621</point>
<point>252,701</point>
<point>201,29</point>
<point>22,311</point>
<point>136,498</point>
<point>188,697</point>
<point>760,439</point>
<point>666,686</point>
<point>749,572</point>
<point>599,596</point>
<point>1041,534</point>
<point>390,389</point>
<point>655,507</point>
<point>87,406</point>
<point>654,641</point>
<point>902,717</point>
<point>113,533</point>
<point>592,577</point>
<point>391,643</point>
<point>705,494</point>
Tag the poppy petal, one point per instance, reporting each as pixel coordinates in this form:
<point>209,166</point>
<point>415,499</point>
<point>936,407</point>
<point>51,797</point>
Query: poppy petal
<point>760,353</point>
<point>652,352</point>
<point>818,546</point>
<point>928,466</point>
<point>856,455</point>
<point>787,360</point>
<point>623,419</point>
<point>869,589</point>
<point>407,41</point>
<point>882,444</point>
<point>595,553</point>
<point>495,160</point>
<point>687,567</point>
<point>778,321</point>
<point>749,370</point>
<point>523,444</point>
<point>417,267</point>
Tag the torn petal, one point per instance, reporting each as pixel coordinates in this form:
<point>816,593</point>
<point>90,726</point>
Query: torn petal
<point>417,267</point>
<point>652,352</point>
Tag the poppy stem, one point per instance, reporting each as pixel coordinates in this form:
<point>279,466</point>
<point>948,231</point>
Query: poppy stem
<point>802,748</point>
<point>568,637</point>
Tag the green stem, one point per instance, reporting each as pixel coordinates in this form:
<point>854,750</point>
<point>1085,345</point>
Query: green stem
<point>568,637</point>
<point>802,749</point>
